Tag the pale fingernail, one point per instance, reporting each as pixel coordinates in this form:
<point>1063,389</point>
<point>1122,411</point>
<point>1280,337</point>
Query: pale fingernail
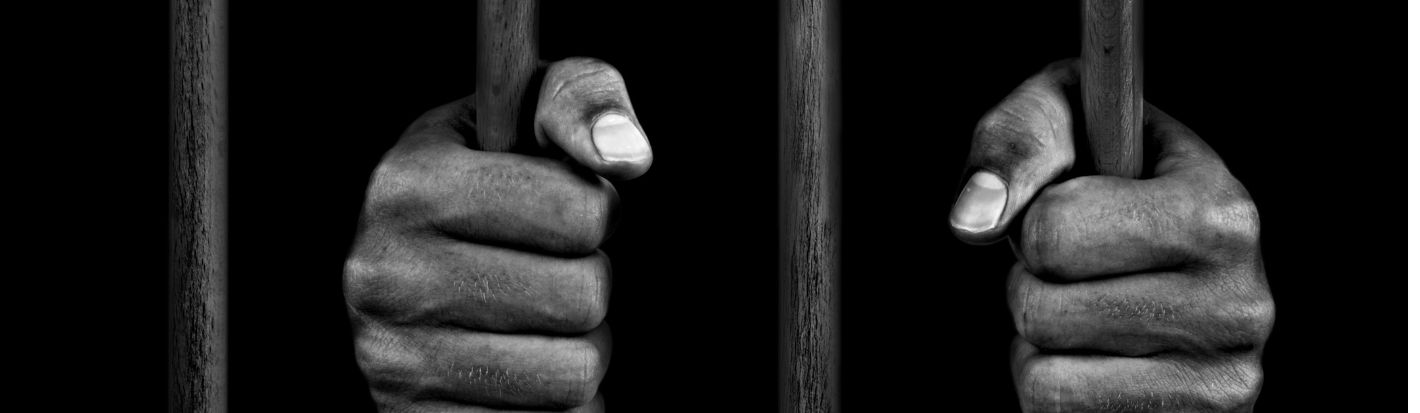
<point>618,139</point>
<point>980,204</point>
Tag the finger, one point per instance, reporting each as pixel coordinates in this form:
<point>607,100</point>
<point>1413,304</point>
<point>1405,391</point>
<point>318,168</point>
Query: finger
<point>525,371</point>
<point>584,110</point>
<point>489,197</point>
<point>480,287</point>
<point>1018,147</point>
<point>1084,383</point>
<point>1141,314</point>
<point>1191,213</point>
<point>498,371</point>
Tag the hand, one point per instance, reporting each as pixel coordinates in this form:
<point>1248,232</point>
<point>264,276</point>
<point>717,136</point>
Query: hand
<point>475,280</point>
<point>1129,295</point>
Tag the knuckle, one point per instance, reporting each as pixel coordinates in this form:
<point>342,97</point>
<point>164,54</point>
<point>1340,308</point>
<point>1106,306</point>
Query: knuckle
<point>1264,319</point>
<point>1227,215</point>
<point>1231,221</point>
<point>584,79</point>
<point>1025,134</point>
<point>394,185</point>
<point>386,361</point>
<point>384,181</point>
<point>1253,320</point>
<point>361,279</point>
<point>372,290</point>
<point>1028,122</point>
<point>1011,132</point>
<point>1029,115</point>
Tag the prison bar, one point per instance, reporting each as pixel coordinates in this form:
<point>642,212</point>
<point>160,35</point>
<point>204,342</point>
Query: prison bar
<point>197,206</point>
<point>506,60</point>
<point>1112,85</point>
<point>809,221</point>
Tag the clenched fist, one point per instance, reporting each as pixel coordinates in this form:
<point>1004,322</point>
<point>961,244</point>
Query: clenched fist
<point>475,281</point>
<point>1130,294</point>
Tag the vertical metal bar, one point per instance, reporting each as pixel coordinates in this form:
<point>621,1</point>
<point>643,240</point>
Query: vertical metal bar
<point>506,61</point>
<point>808,206</point>
<point>197,207</point>
<point>1111,85</point>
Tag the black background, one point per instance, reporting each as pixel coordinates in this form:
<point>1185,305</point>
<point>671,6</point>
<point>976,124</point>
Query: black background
<point>1304,102</point>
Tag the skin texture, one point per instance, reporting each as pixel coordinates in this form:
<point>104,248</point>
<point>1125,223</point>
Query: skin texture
<point>475,283</point>
<point>1129,295</point>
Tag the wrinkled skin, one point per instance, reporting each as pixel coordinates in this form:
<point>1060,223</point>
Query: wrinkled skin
<point>475,282</point>
<point>1135,295</point>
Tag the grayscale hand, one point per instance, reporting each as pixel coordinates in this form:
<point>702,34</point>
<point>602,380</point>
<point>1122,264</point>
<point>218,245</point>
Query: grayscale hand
<point>475,282</point>
<point>1129,294</point>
